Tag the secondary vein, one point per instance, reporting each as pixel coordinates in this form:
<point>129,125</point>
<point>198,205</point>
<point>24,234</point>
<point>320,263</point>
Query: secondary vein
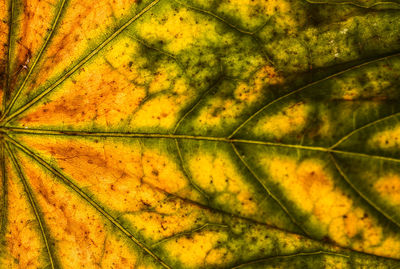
<point>193,137</point>
<point>69,183</point>
<point>37,58</point>
<point>33,205</point>
<point>79,64</point>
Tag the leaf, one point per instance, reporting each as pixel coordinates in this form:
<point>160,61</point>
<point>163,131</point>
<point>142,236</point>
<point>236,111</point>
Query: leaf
<point>200,134</point>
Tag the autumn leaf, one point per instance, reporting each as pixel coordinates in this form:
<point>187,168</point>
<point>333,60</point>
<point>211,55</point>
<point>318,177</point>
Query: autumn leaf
<point>200,134</point>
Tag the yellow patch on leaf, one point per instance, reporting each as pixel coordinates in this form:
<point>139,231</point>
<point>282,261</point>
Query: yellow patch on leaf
<point>79,105</point>
<point>388,187</point>
<point>246,7</point>
<point>222,110</point>
<point>122,175</point>
<point>23,242</point>
<point>163,110</point>
<point>388,139</point>
<point>216,174</point>
<point>168,219</point>
<point>292,118</point>
<point>179,30</point>
<point>329,208</point>
<point>80,233</point>
<point>193,250</point>
<point>84,23</point>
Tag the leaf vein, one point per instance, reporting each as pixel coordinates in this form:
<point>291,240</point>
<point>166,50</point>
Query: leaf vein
<point>292,218</point>
<point>8,66</point>
<point>299,254</point>
<point>191,137</point>
<point>308,86</point>
<point>37,58</point>
<point>4,211</point>
<point>87,198</point>
<point>33,205</point>
<point>344,138</point>
<point>79,64</point>
<point>361,194</point>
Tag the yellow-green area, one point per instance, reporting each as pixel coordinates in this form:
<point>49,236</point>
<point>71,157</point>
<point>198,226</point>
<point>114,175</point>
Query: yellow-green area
<point>199,134</point>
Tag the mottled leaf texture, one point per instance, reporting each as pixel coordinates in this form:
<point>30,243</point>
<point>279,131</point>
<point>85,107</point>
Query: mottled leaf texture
<point>200,134</point>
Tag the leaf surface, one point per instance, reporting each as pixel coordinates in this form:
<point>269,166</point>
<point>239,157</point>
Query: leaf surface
<point>200,134</point>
